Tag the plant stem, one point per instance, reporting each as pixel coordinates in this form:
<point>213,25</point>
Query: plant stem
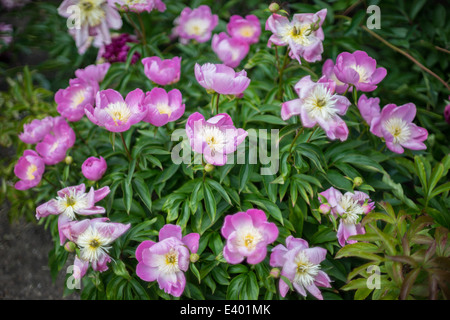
<point>299,132</point>
<point>217,103</point>
<point>310,136</point>
<point>125,146</point>
<point>144,38</point>
<point>280,78</point>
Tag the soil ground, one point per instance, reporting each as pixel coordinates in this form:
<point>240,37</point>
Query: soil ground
<point>24,270</point>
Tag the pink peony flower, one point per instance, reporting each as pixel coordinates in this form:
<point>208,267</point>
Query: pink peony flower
<point>96,18</point>
<point>94,168</point>
<point>167,260</point>
<point>303,34</point>
<point>35,131</point>
<point>114,113</point>
<point>214,138</point>
<point>328,71</point>
<point>221,79</point>
<point>162,72</point>
<point>163,107</point>
<point>72,201</point>
<point>54,146</point>
<point>318,104</point>
<point>141,5</point>
<point>348,208</point>
<point>246,29</point>
<point>72,100</point>
<point>230,50</point>
<point>248,234</point>
<point>394,124</point>
<point>94,238</point>
<point>29,169</point>
<point>93,72</point>
<point>447,112</point>
<point>358,69</point>
<point>195,24</point>
<point>301,265</point>
<point>369,108</point>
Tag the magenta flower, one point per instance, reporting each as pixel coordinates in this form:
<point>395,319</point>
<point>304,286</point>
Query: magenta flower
<point>29,169</point>
<point>96,18</point>
<point>141,5</point>
<point>6,31</point>
<point>447,112</point>
<point>395,125</point>
<point>114,113</point>
<point>195,24</point>
<point>163,107</point>
<point>301,265</point>
<point>328,71</point>
<point>35,131</point>
<point>318,104</point>
<point>303,34</point>
<point>348,208</point>
<point>162,72</point>
<point>214,138</point>
<point>359,69</point>
<point>93,72</point>
<point>167,260</point>
<point>246,29</point>
<point>221,79</point>
<point>72,201</point>
<point>248,234</point>
<point>230,50</point>
<point>94,238</point>
<point>54,146</point>
<point>72,100</point>
<point>369,108</point>
<point>117,50</point>
<point>94,168</point>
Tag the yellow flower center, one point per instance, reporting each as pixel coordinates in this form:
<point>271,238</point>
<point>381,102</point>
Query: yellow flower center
<point>246,32</point>
<point>92,11</point>
<point>164,109</point>
<point>119,112</point>
<point>31,169</point>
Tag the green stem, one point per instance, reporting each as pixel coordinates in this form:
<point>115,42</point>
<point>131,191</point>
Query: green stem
<point>125,146</point>
<point>355,96</point>
<point>144,38</point>
<point>299,132</point>
<point>310,136</point>
<point>217,103</point>
<point>280,78</point>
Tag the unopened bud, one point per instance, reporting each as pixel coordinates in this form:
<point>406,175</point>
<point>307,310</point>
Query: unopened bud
<point>68,160</point>
<point>70,246</point>
<point>209,167</point>
<point>274,7</point>
<point>194,257</point>
<point>357,181</point>
<point>324,208</point>
<point>275,273</point>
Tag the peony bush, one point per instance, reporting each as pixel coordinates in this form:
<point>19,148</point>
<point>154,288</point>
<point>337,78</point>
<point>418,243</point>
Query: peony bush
<point>216,150</point>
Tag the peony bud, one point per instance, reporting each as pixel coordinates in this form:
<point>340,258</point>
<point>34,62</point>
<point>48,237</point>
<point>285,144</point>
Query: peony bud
<point>357,181</point>
<point>68,160</point>
<point>274,7</point>
<point>209,167</point>
<point>275,273</point>
<point>324,208</point>
<point>70,246</point>
<point>194,257</point>
<point>94,168</point>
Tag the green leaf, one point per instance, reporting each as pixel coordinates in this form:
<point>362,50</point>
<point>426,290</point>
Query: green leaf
<point>420,171</point>
<point>216,186</point>
<point>143,192</point>
<point>127,195</point>
<point>210,202</point>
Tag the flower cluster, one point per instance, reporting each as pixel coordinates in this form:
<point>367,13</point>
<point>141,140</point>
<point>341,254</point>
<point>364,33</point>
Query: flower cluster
<point>117,50</point>
<point>231,48</point>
